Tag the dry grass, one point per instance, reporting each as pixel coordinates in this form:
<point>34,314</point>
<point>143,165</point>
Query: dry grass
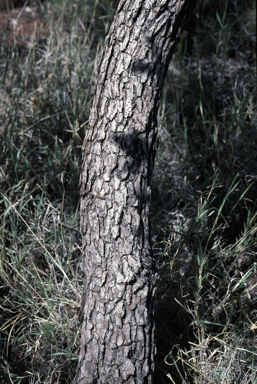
<point>204,208</point>
<point>203,211</point>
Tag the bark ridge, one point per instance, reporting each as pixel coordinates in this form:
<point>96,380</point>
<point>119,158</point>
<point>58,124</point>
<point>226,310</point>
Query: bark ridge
<point>117,344</point>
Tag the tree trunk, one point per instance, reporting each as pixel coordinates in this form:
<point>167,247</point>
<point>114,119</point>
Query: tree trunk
<point>117,336</point>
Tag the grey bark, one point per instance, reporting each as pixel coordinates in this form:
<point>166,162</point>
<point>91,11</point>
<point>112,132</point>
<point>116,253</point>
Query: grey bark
<point>117,335</point>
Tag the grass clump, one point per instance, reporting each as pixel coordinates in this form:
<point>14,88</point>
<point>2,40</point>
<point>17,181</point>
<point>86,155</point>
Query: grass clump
<point>204,208</point>
<point>203,202</point>
<point>45,101</point>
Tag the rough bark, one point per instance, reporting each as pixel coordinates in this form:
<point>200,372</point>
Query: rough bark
<point>117,337</point>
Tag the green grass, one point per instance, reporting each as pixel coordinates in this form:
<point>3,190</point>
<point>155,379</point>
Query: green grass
<point>204,214</point>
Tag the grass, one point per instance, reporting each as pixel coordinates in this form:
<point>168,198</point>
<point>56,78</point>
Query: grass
<point>204,214</point>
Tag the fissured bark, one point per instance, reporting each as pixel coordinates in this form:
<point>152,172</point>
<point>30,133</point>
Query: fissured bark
<point>117,335</point>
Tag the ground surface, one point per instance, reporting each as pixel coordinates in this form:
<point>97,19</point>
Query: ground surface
<point>204,214</point>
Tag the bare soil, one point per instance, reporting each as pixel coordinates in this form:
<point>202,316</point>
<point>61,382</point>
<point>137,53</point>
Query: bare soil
<point>21,25</point>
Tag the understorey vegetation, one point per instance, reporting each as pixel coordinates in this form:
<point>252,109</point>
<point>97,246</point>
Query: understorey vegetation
<point>203,215</point>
